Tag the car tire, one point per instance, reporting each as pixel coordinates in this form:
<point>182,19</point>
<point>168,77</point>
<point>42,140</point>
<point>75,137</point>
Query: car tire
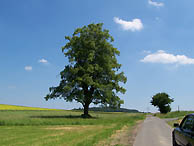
<point>174,142</point>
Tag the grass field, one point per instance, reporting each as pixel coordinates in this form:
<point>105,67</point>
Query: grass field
<point>171,123</point>
<point>179,115</point>
<point>174,114</point>
<point>52,127</point>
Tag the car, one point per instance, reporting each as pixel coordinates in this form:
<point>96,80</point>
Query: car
<point>183,134</point>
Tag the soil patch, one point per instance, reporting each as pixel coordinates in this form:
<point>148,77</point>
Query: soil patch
<point>124,137</point>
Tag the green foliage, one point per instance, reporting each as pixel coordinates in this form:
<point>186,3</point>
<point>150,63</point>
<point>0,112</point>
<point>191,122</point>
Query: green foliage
<point>92,73</point>
<point>162,102</point>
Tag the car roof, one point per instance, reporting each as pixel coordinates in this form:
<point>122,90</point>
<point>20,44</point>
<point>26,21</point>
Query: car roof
<point>192,114</point>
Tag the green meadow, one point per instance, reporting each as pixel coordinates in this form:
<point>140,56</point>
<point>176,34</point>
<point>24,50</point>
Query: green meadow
<point>178,115</point>
<point>59,127</point>
<point>174,114</point>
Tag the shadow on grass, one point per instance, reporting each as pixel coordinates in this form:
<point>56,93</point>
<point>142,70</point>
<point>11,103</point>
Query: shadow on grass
<point>65,117</point>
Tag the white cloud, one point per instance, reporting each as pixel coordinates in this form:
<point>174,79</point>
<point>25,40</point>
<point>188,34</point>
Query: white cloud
<point>134,25</point>
<point>44,61</point>
<point>165,58</point>
<point>28,68</point>
<point>156,4</point>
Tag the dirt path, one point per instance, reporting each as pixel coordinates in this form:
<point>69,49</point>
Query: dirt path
<point>125,136</point>
<point>154,132</point>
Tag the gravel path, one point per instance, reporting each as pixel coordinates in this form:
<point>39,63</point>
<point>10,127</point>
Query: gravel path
<point>154,132</point>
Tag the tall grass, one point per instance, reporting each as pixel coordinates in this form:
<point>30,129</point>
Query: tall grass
<point>33,127</point>
<point>25,118</point>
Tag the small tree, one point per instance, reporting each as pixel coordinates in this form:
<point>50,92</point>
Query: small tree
<point>92,73</point>
<point>162,102</point>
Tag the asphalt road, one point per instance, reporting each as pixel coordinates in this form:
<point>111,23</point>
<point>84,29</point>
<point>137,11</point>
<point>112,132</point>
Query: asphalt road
<point>154,132</point>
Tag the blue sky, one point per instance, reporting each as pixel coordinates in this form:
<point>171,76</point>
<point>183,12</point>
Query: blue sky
<point>155,39</point>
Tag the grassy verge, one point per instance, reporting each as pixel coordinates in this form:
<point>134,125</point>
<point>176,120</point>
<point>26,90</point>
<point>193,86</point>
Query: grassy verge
<point>174,114</point>
<point>171,123</point>
<point>43,127</point>
<point>123,137</point>
<point>179,115</point>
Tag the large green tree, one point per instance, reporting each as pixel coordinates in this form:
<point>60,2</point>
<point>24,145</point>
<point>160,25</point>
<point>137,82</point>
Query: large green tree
<point>162,101</point>
<point>92,74</point>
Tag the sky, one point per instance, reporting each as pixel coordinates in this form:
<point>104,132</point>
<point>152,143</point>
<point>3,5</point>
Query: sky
<point>154,37</point>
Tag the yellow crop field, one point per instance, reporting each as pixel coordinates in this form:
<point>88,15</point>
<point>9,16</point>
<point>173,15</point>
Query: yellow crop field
<point>15,107</point>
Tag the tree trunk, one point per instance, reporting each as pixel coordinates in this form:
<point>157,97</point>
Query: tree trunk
<point>86,108</point>
<point>87,101</point>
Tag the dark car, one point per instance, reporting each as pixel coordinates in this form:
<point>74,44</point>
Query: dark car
<point>183,134</point>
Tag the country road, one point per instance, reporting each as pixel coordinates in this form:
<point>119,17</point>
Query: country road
<point>154,132</point>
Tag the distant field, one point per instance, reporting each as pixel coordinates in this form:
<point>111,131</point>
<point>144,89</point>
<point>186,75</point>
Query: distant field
<point>15,107</point>
<point>174,114</point>
<point>57,128</point>
<point>171,123</point>
<point>179,115</point>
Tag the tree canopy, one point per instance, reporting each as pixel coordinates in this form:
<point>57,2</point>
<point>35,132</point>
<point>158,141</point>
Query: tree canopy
<point>92,74</point>
<point>162,101</point>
